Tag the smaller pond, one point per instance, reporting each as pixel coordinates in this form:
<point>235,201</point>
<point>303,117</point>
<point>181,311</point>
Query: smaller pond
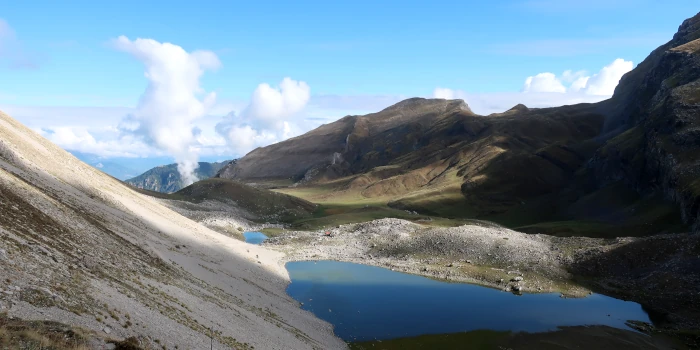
<point>254,237</point>
<point>367,303</point>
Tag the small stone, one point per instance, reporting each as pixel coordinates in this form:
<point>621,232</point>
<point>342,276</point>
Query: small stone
<point>107,330</point>
<point>469,261</point>
<point>517,279</point>
<point>517,288</point>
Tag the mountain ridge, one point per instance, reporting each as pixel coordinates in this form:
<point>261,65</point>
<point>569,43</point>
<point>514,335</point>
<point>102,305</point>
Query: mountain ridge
<point>522,167</point>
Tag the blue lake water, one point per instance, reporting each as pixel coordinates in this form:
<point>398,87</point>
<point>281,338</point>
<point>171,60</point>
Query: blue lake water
<point>367,303</point>
<point>254,237</point>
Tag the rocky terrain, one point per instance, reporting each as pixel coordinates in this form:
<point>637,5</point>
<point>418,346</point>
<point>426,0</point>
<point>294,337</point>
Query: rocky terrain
<point>627,166</point>
<point>167,179</point>
<point>491,256</point>
<point>81,248</point>
<point>660,272</point>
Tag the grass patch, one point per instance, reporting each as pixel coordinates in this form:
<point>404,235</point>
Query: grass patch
<point>20,334</point>
<point>272,231</point>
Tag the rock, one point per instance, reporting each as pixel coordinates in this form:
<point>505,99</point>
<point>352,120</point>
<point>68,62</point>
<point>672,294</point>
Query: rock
<point>517,279</point>
<point>468,261</point>
<point>107,330</point>
<point>3,255</point>
<point>517,288</point>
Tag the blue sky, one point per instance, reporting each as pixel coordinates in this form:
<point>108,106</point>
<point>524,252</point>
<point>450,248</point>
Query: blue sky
<point>59,67</point>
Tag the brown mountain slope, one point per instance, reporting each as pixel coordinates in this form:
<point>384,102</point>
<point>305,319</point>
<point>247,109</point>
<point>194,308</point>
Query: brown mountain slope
<point>625,166</point>
<point>80,247</point>
<point>295,157</point>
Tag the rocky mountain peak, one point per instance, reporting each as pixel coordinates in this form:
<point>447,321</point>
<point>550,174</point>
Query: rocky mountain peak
<point>426,103</point>
<point>689,30</point>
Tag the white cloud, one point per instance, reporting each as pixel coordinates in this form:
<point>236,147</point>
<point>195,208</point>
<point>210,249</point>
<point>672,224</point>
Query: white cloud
<point>173,99</point>
<point>271,116</point>
<point>543,82</point>
<point>606,80</point>
<point>602,83</point>
<point>444,93</point>
<point>270,105</point>
<point>106,142</point>
<point>547,90</point>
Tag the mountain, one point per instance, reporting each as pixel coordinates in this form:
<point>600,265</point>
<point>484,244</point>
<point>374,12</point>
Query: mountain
<point>84,249</point>
<point>167,179</point>
<point>626,166</point>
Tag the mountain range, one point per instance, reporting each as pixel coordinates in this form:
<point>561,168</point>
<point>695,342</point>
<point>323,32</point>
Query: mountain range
<point>167,179</point>
<point>624,166</point>
<point>86,257</point>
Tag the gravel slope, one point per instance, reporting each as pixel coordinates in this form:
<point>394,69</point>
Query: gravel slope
<point>78,246</point>
<point>491,256</point>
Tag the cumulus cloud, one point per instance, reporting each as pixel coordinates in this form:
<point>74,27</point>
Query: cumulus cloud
<point>547,90</point>
<point>270,105</point>
<point>173,99</point>
<point>106,142</point>
<point>602,83</point>
<point>605,81</point>
<point>543,82</point>
<point>271,116</point>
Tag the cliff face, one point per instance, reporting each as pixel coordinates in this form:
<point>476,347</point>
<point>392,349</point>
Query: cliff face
<point>655,113</point>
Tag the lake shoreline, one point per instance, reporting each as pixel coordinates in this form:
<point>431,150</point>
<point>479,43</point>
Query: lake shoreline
<point>500,258</point>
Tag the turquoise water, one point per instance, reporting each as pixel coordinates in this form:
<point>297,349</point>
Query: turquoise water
<point>254,237</point>
<point>367,302</point>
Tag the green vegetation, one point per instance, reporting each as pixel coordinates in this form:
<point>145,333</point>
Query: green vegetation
<point>19,334</point>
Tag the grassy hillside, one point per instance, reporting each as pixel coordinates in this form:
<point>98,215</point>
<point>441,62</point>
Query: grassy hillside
<point>524,169</point>
<point>266,205</point>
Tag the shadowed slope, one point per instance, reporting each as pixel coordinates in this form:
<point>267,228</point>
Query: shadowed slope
<point>547,170</point>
